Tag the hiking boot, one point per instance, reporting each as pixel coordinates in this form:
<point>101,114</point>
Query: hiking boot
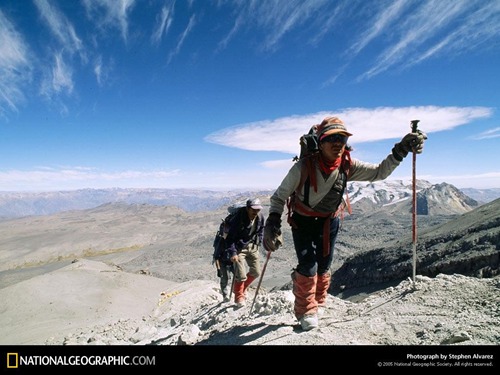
<point>308,322</point>
<point>241,303</point>
<point>321,310</point>
<point>225,298</point>
<point>322,286</point>
<point>248,281</point>
<point>239,291</point>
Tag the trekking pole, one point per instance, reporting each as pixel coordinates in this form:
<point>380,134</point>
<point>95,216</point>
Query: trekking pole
<point>414,124</point>
<point>260,281</point>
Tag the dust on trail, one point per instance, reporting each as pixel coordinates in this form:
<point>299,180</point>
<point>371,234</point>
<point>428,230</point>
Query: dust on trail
<point>446,310</point>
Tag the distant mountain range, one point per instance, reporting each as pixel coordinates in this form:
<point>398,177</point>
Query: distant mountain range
<point>368,195</point>
<point>20,204</point>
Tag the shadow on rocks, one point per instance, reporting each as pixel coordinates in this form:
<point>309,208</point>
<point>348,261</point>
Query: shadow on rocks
<point>239,335</point>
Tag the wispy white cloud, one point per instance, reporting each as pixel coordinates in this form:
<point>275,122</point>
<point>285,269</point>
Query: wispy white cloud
<point>276,19</point>
<point>412,31</point>
<point>429,28</point>
<point>61,75</point>
<point>15,68</point>
<point>102,70</point>
<point>98,70</point>
<point>58,79</point>
<point>115,13</point>
<point>323,22</point>
<point>332,79</point>
<point>76,177</point>
<point>238,22</point>
<point>60,27</point>
<point>492,133</point>
<point>281,19</point>
<point>476,30</point>
<point>187,30</point>
<point>385,18</point>
<point>366,124</point>
<point>164,22</point>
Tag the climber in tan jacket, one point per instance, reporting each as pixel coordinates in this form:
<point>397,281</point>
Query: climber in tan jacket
<point>313,191</point>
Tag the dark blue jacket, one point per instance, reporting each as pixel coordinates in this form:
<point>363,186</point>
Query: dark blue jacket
<point>238,236</point>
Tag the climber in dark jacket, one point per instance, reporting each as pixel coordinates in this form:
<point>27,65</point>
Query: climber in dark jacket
<point>246,231</point>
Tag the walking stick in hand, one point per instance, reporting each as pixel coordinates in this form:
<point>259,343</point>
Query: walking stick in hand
<point>260,281</point>
<point>232,283</point>
<point>414,125</point>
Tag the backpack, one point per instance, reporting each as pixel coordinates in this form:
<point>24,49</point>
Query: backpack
<point>219,244</point>
<point>309,144</point>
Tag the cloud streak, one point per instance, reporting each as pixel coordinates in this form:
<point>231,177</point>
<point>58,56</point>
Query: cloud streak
<point>164,22</point>
<point>60,27</point>
<point>70,177</point>
<point>15,68</point>
<point>277,19</point>
<point>385,18</point>
<point>187,30</point>
<point>444,27</point>
<point>413,31</point>
<point>367,125</point>
<point>112,13</point>
<point>489,134</point>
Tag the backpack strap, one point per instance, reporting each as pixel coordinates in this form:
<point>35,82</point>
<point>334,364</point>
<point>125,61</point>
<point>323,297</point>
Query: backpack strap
<point>346,167</point>
<point>308,176</point>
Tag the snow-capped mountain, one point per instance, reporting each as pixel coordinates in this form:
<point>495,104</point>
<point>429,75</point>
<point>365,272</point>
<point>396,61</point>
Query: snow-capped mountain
<point>397,197</point>
<point>384,192</point>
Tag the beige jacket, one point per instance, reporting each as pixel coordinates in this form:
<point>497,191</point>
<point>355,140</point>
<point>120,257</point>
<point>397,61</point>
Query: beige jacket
<point>359,171</point>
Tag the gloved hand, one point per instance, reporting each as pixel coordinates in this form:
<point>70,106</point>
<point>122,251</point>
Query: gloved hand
<point>272,232</point>
<point>413,142</point>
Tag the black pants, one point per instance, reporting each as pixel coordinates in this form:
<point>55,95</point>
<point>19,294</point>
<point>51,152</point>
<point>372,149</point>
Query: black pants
<point>308,242</point>
<point>225,271</point>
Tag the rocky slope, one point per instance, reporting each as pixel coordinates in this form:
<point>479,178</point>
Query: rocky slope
<point>90,303</point>
<point>468,244</point>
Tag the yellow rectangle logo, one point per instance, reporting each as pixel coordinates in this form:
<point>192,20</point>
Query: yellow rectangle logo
<point>12,360</point>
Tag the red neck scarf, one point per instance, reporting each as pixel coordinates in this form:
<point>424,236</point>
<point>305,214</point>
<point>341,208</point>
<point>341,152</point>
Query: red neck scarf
<point>328,167</point>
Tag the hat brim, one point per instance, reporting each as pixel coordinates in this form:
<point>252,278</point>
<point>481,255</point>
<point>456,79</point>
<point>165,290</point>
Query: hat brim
<point>335,131</point>
<point>256,207</point>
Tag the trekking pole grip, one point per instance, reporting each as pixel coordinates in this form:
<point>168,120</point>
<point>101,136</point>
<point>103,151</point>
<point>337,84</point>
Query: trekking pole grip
<point>414,125</point>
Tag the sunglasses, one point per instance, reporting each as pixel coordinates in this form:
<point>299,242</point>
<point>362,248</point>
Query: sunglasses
<point>333,138</point>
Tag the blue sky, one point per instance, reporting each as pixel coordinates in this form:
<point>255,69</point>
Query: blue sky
<point>215,94</point>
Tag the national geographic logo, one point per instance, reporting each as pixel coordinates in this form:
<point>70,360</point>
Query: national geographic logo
<point>12,360</point>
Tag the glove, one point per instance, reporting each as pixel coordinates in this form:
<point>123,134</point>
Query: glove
<point>411,142</point>
<point>272,232</point>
